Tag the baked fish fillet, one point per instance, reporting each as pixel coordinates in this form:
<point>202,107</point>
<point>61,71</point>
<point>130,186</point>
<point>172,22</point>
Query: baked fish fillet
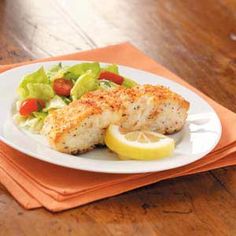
<point>80,126</point>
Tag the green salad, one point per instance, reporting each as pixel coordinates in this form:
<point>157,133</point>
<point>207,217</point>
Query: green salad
<point>43,91</point>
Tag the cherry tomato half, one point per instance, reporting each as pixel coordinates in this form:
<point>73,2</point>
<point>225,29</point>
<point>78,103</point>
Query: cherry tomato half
<point>31,105</point>
<point>62,87</point>
<point>111,76</point>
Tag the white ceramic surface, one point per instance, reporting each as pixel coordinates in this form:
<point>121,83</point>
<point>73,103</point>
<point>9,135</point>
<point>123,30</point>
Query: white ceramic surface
<point>199,136</point>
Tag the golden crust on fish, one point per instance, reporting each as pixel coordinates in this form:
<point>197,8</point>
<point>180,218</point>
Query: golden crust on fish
<point>80,126</point>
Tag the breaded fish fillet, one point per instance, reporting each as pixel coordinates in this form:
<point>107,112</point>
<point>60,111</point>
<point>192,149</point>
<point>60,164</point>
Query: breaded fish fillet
<point>80,126</point>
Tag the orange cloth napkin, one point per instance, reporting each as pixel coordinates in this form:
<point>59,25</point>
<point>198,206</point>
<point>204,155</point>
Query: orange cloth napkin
<point>34,183</point>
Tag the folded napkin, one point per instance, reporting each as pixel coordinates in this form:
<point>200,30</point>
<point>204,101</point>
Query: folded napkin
<point>34,183</point>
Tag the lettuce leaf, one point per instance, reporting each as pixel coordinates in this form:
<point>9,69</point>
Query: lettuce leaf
<point>85,83</point>
<point>74,72</point>
<point>111,68</point>
<point>56,102</point>
<point>35,85</point>
<point>67,100</point>
<point>129,83</point>
<point>39,90</point>
<point>40,114</point>
<point>106,84</point>
<point>33,123</point>
<point>56,71</point>
<point>55,68</point>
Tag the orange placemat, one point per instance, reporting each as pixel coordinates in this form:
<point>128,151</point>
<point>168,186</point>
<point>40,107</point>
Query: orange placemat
<point>34,183</point>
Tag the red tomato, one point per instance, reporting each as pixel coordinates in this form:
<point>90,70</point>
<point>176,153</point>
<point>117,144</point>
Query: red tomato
<point>31,105</point>
<point>62,87</point>
<point>111,76</point>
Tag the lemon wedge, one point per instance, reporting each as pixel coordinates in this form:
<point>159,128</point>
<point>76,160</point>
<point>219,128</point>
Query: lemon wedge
<point>138,145</point>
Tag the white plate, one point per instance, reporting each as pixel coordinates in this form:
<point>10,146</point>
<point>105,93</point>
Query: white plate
<point>199,136</point>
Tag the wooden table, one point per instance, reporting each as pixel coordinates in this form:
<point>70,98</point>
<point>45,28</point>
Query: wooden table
<point>194,39</point>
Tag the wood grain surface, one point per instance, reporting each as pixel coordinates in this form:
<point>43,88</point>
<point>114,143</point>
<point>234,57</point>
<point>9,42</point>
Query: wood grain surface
<point>194,39</point>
